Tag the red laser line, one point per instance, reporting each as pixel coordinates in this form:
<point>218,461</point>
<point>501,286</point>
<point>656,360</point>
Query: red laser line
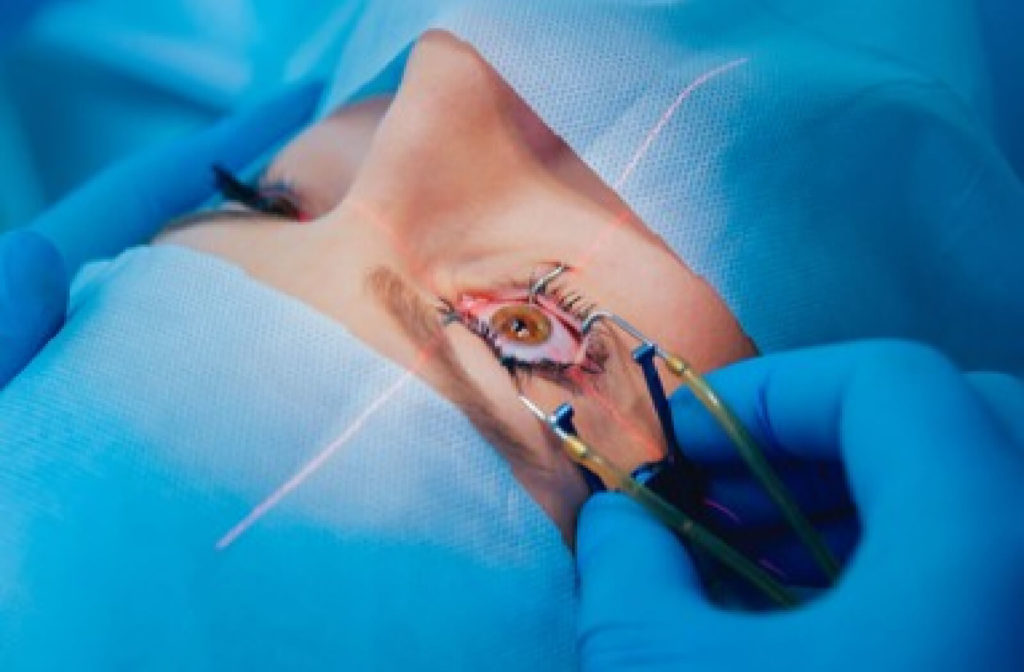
<point>773,568</point>
<point>318,460</point>
<point>723,509</point>
<point>321,458</point>
<point>398,243</point>
<point>632,428</point>
<point>645,146</point>
<point>667,115</point>
<point>314,464</point>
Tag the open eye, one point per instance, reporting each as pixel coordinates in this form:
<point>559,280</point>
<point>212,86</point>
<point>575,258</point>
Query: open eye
<point>542,335</point>
<point>527,333</point>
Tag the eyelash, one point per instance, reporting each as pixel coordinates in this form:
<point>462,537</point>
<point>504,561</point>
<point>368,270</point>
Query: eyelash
<point>278,198</point>
<point>571,303</point>
<point>517,367</point>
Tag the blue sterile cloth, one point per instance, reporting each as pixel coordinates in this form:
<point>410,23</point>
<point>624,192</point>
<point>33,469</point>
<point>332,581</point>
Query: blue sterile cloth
<point>846,169</point>
<point>835,170</point>
<point>180,394</point>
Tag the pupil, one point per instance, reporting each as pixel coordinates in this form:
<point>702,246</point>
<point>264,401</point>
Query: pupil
<point>523,324</point>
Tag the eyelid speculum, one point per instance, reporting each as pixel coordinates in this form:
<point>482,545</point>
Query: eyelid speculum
<point>529,325</point>
<point>541,283</point>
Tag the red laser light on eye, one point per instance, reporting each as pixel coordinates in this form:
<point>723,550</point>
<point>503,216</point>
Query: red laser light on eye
<point>321,458</point>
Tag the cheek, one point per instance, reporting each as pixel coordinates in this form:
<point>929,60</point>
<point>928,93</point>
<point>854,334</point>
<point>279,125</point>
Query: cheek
<point>680,311</point>
<point>712,338</point>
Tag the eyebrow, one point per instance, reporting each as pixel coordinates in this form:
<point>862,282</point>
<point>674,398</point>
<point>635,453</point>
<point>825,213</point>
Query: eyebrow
<point>423,326</point>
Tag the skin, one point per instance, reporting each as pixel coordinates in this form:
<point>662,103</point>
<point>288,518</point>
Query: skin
<point>455,187</point>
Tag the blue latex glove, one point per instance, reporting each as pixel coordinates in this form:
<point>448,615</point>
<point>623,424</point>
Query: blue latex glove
<point>935,466</point>
<point>33,297</point>
<point>15,14</point>
<point>125,205</point>
<point>129,203</point>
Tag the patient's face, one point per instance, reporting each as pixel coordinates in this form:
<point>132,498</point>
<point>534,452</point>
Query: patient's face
<point>432,214</point>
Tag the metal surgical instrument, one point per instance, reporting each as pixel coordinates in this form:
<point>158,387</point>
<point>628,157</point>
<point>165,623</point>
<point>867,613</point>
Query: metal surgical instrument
<point>690,530</point>
<point>734,429</point>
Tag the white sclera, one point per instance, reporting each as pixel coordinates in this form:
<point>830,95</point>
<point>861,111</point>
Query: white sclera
<point>562,346</point>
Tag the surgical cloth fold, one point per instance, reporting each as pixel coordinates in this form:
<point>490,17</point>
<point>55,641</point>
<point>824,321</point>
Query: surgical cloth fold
<point>179,396</point>
<point>202,473</point>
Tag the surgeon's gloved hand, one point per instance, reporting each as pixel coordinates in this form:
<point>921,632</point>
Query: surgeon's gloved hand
<point>125,205</point>
<point>936,469</point>
<point>33,297</point>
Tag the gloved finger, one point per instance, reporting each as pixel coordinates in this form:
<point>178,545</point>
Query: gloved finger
<point>33,298</point>
<point>743,387</point>
<point>740,500</point>
<point>1004,396</point>
<point>633,571</point>
<point>892,411</point>
<point>128,203</point>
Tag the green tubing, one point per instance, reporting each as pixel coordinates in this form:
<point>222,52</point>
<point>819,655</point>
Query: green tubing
<point>690,530</point>
<point>755,459</point>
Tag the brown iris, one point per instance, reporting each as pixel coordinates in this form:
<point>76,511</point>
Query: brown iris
<point>522,323</point>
